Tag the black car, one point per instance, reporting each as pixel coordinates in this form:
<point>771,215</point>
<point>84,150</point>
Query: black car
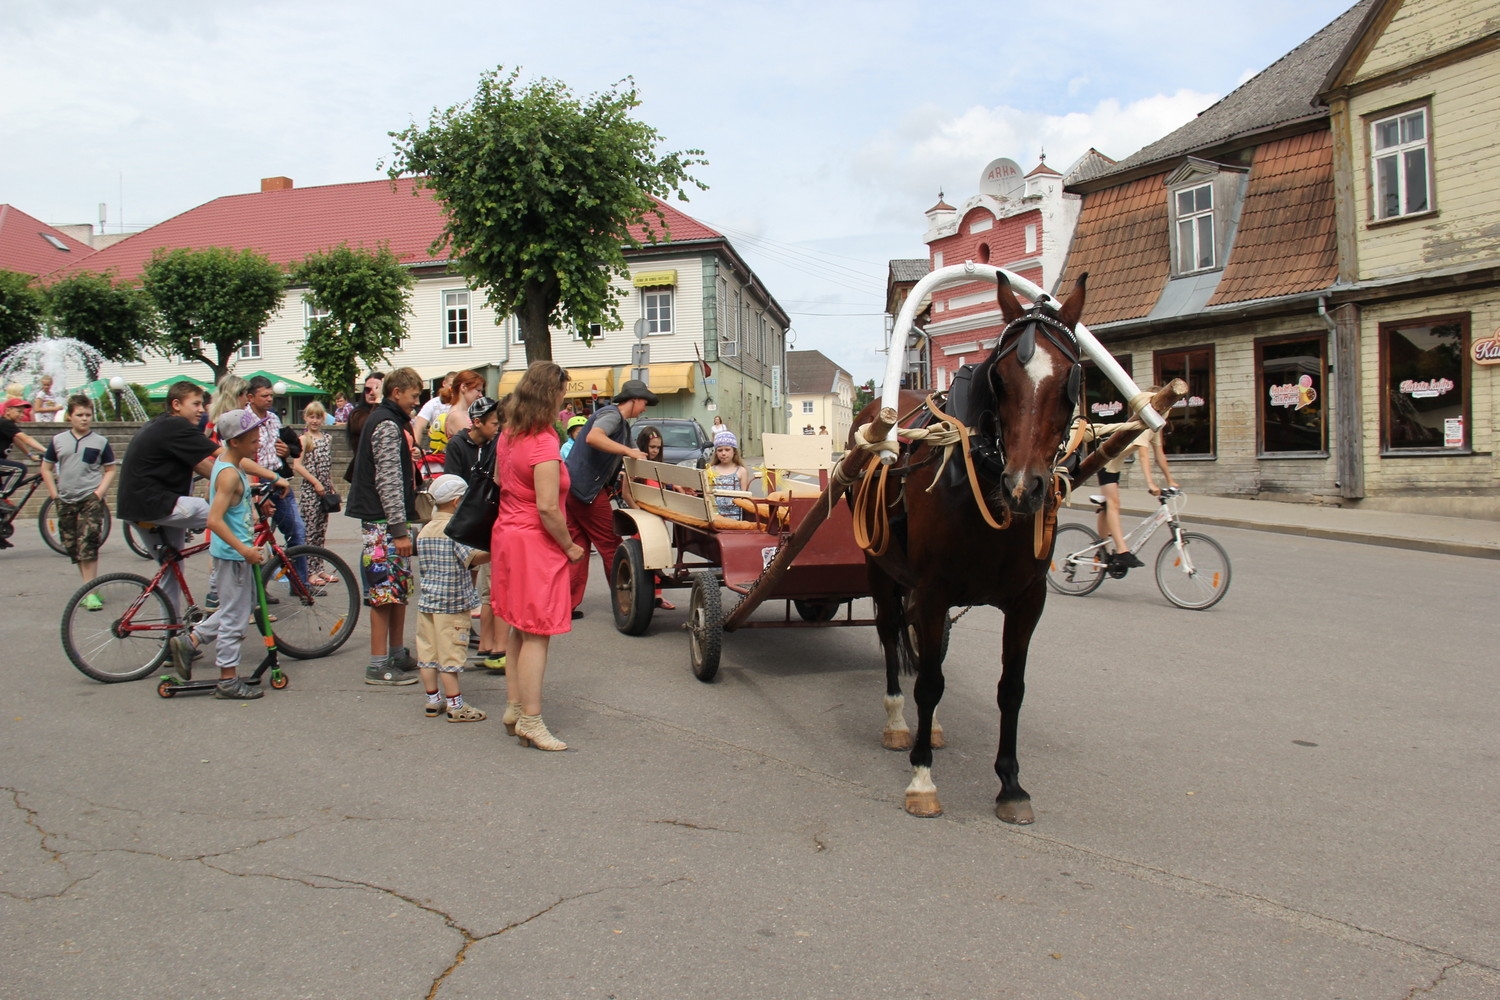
<point>683,440</point>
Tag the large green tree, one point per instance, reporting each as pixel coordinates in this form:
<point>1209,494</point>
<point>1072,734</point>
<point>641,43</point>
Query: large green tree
<point>21,309</point>
<point>363,296</point>
<point>115,320</point>
<point>540,190</point>
<point>212,302</point>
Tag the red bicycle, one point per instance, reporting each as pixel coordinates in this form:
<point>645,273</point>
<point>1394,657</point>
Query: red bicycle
<point>125,639</point>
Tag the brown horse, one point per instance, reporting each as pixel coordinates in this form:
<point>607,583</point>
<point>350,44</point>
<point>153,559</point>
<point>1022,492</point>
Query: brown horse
<point>943,554</point>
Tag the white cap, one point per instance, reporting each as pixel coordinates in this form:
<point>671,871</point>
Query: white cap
<point>447,487</point>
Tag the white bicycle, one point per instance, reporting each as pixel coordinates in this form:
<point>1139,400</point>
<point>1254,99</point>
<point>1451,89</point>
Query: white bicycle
<point>1192,569</point>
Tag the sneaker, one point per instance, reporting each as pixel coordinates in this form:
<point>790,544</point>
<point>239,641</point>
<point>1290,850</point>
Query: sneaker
<point>435,708</point>
<point>235,689</point>
<point>401,659</point>
<point>211,603</point>
<point>389,677</point>
<point>1129,560</point>
<point>180,648</point>
<point>467,713</point>
<point>92,602</point>
<point>495,664</point>
<point>577,614</point>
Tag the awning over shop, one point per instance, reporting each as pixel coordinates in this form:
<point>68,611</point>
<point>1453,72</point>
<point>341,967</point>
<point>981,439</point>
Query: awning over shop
<point>673,376</point>
<point>583,383</point>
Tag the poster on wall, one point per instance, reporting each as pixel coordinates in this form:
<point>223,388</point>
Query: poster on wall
<point>1453,432</point>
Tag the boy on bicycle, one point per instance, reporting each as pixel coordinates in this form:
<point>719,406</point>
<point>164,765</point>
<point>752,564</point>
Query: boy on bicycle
<point>229,503</point>
<point>77,468</point>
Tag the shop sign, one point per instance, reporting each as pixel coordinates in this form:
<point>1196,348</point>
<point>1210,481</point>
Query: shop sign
<point>1425,389</point>
<point>1297,396</point>
<point>654,279</point>
<point>1453,432</point>
<point>775,385</point>
<point>1106,409</point>
<point>1487,351</point>
<point>1190,401</point>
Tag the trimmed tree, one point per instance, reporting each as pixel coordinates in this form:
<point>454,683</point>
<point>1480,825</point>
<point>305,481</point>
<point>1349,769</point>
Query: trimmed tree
<point>363,297</point>
<point>541,190</point>
<point>212,302</point>
<point>21,309</point>
<point>115,320</point>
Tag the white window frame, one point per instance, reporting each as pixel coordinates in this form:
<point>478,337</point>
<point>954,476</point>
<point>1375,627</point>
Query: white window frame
<point>651,299</point>
<point>807,406</point>
<point>310,312</point>
<point>596,333</point>
<point>250,349</point>
<point>1194,222</point>
<point>1398,158</point>
<point>462,314</point>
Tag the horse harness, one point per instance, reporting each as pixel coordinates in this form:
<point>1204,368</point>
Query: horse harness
<point>936,422</point>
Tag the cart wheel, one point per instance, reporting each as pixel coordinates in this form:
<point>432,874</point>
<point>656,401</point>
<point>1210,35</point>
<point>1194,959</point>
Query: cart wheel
<point>817,611</point>
<point>166,689</point>
<point>634,588</point>
<point>279,680</point>
<point>705,626</point>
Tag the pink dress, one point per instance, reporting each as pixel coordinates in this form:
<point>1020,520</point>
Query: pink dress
<point>529,584</point>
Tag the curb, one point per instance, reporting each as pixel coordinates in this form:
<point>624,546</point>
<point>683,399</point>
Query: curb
<point>1473,550</point>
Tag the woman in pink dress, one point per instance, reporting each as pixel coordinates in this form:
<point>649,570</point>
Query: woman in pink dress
<point>530,547</point>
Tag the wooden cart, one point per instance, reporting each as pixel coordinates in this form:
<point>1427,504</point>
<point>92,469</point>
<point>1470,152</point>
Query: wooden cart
<point>674,537</point>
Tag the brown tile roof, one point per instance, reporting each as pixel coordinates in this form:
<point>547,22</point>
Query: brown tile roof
<point>1286,241</point>
<point>1285,91</point>
<point>1121,241</point>
<point>810,372</point>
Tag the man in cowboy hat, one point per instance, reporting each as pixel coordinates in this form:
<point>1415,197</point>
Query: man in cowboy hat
<point>598,452</point>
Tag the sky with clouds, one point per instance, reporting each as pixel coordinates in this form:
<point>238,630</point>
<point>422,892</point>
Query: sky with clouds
<point>829,127</point>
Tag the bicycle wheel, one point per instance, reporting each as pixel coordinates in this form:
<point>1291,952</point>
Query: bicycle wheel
<point>1077,568</point>
<point>1195,578</point>
<point>139,542</point>
<point>312,621</point>
<point>126,638</point>
<point>46,523</point>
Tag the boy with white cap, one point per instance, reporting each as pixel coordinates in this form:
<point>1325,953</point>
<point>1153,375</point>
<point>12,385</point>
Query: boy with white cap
<point>444,604</point>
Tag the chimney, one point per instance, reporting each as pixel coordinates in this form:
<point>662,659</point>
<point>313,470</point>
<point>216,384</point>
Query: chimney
<point>275,184</point>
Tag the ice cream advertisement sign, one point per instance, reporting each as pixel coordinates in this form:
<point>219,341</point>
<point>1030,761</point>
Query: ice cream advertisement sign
<point>1107,409</point>
<point>1297,396</point>
<point>1426,389</point>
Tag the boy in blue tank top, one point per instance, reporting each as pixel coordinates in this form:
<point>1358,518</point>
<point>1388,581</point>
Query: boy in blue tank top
<point>230,522</point>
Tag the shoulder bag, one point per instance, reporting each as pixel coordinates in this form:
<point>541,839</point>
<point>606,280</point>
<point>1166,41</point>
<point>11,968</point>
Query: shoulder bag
<point>474,520</point>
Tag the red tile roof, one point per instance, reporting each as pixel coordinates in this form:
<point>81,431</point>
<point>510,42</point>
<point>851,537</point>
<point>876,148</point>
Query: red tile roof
<point>1121,241</point>
<point>1286,242</point>
<point>24,247</point>
<point>287,225</point>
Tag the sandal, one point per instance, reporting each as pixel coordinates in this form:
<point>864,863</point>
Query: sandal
<point>468,713</point>
<point>665,605</point>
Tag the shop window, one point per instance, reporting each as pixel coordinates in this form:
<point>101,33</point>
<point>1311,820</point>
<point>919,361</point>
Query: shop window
<point>1103,402</point>
<point>1293,407</point>
<point>456,318</point>
<point>1424,384</point>
<point>1399,164</point>
<point>1190,425</point>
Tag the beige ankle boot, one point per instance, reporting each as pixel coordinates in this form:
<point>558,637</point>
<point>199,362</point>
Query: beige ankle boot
<point>512,716</point>
<point>532,732</point>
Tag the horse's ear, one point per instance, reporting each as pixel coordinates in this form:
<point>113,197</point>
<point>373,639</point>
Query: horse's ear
<point>1010,306</point>
<point>1073,307</point>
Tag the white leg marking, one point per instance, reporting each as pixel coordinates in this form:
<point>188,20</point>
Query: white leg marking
<point>921,780</point>
<point>895,708</point>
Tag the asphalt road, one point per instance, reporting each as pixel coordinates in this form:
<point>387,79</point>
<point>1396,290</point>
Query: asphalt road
<point>1290,796</point>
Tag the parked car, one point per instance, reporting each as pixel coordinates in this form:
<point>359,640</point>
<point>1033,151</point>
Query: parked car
<point>683,440</point>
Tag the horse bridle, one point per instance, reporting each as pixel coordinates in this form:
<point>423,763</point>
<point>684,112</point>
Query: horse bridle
<point>1024,345</point>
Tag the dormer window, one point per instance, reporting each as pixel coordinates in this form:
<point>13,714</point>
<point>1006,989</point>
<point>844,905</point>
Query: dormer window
<point>1195,229</point>
<point>1203,199</point>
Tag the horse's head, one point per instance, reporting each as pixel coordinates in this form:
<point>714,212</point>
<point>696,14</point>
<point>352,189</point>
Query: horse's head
<point>1036,376</point>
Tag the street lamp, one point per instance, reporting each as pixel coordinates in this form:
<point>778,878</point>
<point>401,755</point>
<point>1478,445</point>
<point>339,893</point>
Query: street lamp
<point>279,388</point>
<point>117,386</point>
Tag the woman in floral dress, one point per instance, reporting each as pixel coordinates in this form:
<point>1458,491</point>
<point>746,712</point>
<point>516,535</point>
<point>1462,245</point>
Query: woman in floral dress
<point>317,457</point>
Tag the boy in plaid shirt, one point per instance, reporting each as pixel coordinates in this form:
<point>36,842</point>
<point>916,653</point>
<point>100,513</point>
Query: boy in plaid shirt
<point>445,604</point>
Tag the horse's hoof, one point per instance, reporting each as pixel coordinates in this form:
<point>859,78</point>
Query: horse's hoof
<point>896,739</point>
<point>1017,811</point>
<point>937,742</point>
<point>923,804</point>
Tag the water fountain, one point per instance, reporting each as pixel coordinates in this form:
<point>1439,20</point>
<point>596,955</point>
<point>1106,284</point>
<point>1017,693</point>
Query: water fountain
<point>63,358</point>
